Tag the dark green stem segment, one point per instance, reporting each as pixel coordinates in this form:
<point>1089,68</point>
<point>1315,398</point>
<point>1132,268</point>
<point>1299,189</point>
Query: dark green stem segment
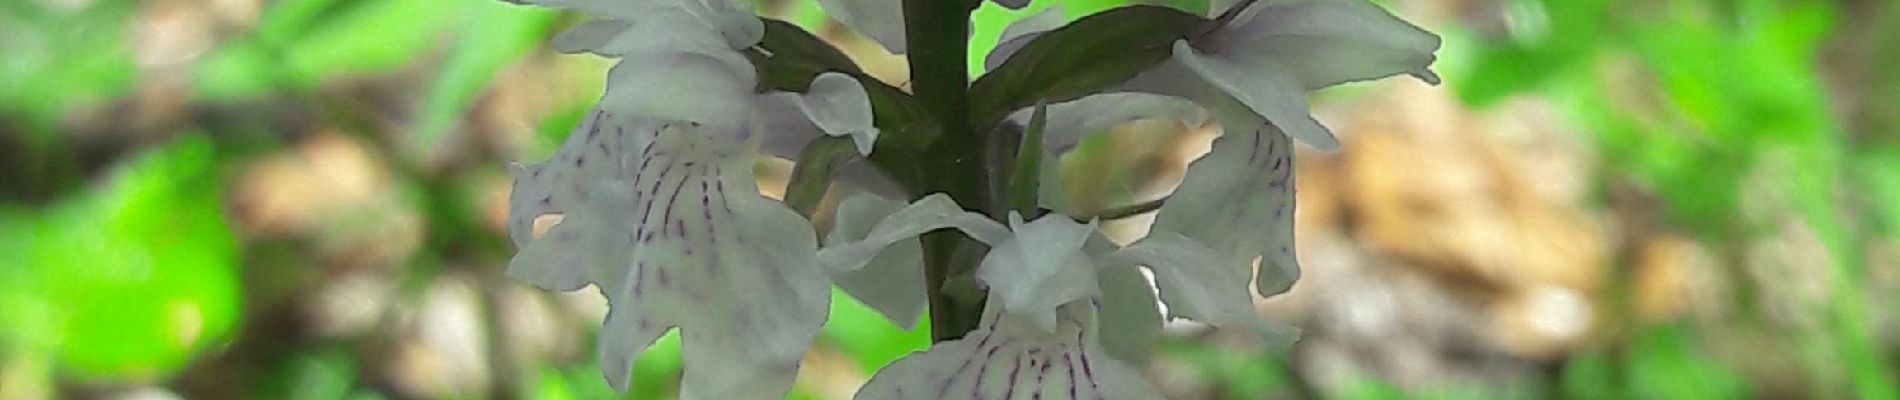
<point>937,40</point>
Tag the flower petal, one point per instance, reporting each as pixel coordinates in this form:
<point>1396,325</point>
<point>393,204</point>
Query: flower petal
<point>837,103</point>
<point>1072,121</point>
<point>933,212</point>
<point>880,20</point>
<point>588,36</point>
<point>1009,358</point>
<point>786,130</point>
<point>1040,268</point>
<point>1128,305</point>
<point>1197,285</point>
<point>707,89</point>
<point>1273,93</point>
<point>892,282</point>
<point>674,232</point>
<point>1238,201</point>
<point>1329,42</point>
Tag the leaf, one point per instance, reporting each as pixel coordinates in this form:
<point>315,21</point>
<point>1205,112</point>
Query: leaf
<point>129,281</point>
<point>493,36</point>
<point>790,58</point>
<point>366,37</point>
<point>1087,56</point>
<point>811,175</point>
<point>1023,184</point>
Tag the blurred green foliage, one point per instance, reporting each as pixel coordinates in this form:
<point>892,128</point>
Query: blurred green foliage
<point>1738,95</point>
<point>128,281</point>
<point>42,76</point>
<point>135,276</point>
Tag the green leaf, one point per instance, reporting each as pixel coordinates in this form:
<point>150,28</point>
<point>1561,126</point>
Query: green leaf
<point>54,59</point>
<point>811,175</point>
<point>1023,184</point>
<point>1082,58</point>
<point>129,281</point>
<point>791,58</point>
<point>493,36</point>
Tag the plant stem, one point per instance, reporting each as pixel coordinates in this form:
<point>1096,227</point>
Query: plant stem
<point>937,37</point>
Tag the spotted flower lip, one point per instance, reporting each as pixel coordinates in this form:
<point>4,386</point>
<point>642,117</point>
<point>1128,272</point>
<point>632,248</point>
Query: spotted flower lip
<point>1008,358</point>
<point>659,207</point>
<point>667,221</point>
<point>1050,283</point>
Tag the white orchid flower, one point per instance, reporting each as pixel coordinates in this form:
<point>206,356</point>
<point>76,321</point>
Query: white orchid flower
<point>1052,283</point>
<point>659,207</point>
<point>1253,72</point>
<point>1009,358</point>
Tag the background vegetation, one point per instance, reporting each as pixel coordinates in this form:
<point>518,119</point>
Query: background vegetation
<point>303,199</point>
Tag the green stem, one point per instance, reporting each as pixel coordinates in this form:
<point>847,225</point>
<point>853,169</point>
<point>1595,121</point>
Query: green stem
<point>936,35</point>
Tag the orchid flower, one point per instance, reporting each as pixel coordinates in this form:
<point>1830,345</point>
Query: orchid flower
<point>1051,283</point>
<point>1253,72</point>
<point>659,207</point>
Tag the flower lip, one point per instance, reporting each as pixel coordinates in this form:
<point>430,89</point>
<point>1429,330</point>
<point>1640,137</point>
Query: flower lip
<point>666,219</point>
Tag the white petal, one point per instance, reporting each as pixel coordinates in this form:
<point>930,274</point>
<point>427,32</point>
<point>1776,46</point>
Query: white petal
<point>733,23</point>
<point>930,213</point>
<point>837,103</point>
<point>1008,358</point>
<point>710,90</point>
<point>1274,93</point>
<point>659,27</point>
<point>1238,201</point>
<point>1020,33</point>
<point>674,232</point>
<point>589,36</point>
<point>1196,284</point>
<point>1040,268</point>
<point>562,184</point>
<point>880,20</point>
<point>1328,42</point>
<point>1072,121</point>
<point>892,282</point>
<point>1129,307</point>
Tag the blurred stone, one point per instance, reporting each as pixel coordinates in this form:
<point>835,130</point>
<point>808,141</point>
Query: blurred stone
<point>439,349</point>
<point>1674,276</point>
<point>1544,320</point>
<point>535,327</point>
<point>1369,317</point>
<point>1489,206</point>
<point>146,393</point>
<point>293,190</point>
<point>828,373</point>
<point>349,305</point>
<point>335,193</point>
<point>239,13</point>
<point>169,32</point>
